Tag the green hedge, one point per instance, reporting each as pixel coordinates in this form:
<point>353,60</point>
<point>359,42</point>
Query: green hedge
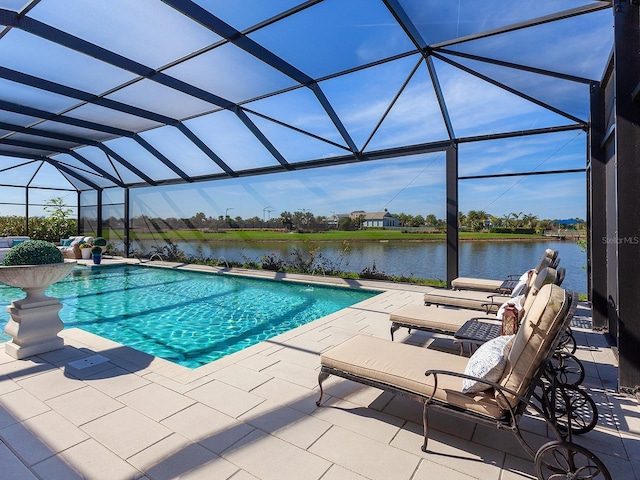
<point>519,231</point>
<point>40,228</point>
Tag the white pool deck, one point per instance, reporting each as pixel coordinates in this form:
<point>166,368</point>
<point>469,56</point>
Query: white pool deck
<point>100,410</point>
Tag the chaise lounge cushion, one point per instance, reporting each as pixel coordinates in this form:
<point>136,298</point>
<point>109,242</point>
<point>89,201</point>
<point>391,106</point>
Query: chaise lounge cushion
<point>533,340</point>
<point>401,365</point>
<point>477,284</point>
<point>433,318</point>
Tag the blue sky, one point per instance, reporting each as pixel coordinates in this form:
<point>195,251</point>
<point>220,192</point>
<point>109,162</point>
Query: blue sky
<point>413,185</point>
<point>386,105</point>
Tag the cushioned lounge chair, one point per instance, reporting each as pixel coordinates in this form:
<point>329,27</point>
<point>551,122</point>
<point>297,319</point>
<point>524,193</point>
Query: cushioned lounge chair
<point>548,258</point>
<point>449,320</point>
<point>480,300</point>
<point>506,286</point>
<point>435,379</point>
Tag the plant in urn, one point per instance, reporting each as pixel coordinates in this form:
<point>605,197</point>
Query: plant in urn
<point>34,324</point>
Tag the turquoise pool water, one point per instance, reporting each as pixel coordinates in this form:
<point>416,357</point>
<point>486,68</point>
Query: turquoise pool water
<point>189,318</point>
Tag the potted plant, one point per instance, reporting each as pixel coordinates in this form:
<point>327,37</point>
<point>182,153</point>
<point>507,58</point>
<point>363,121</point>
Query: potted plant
<point>100,242</point>
<point>96,253</point>
<point>34,324</point>
<point>85,250</point>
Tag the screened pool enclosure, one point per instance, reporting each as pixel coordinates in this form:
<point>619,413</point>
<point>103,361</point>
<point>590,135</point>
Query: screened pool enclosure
<point>128,108</point>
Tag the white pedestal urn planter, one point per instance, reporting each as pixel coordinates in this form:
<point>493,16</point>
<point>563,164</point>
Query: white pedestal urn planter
<point>34,323</point>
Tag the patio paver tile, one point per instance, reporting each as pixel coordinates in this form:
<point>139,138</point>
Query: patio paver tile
<point>23,369</point>
<point>211,428</point>
<point>12,467</point>
<point>472,459</point>
<point>175,457</point>
<point>258,362</point>
<point>336,472</point>
<point>364,455</point>
<point>286,423</point>
<point>285,393</point>
<point>270,458</point>
<point>126,432</point>
<point>305,377</point>
<point>19,405</point>
<point>430,470</point>
<point>42,436</point>
<point>155,401</point>
<point>88,459</point>
<point>225,398</point>
<point>7,385</point>
<point>362,420</point>
<point>50,384</point>
<point>241,377</point>
<point>84,405</point>
<point>116,381</point>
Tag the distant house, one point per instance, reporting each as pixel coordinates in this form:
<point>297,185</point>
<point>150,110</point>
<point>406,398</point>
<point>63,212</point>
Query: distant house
<point>334,220</point>
<point>378,219</point>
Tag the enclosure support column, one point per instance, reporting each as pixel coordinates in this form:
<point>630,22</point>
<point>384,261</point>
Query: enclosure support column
<point>79,214</point>
<point>126,223</point>
<point>597,211</point>
<point>452,213</point>
<point>26,210</point>
<point>99,219</point>
<point>627,131</point>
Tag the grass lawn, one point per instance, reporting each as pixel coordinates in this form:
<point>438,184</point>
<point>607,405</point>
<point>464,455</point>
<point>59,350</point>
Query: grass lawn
<point>235,235</point>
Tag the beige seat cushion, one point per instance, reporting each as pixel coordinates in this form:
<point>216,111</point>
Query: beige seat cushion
<point>480,284</point>
<point>465,299</point>
<point>475,300</point>
<point>404,366</point>
<point>443,319</point>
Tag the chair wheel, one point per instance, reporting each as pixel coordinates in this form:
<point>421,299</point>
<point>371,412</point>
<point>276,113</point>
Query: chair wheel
<point>567,369</point>
<point>574,403</point>
<point>557,460</point>
<point>567,342</point>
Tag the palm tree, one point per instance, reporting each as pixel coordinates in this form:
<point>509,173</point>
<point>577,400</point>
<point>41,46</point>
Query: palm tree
<point>516,219</point>
<point>462,219</point>
<point>530,220</point>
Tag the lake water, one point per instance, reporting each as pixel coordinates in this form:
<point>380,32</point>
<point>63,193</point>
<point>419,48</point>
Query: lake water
<point>412,259</point>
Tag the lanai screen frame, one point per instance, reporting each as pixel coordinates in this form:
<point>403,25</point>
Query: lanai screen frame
<point>46,146</point>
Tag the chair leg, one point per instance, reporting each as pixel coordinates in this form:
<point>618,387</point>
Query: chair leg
<point>394,328</point>
<point>322,376</point>
<point>425,425</point>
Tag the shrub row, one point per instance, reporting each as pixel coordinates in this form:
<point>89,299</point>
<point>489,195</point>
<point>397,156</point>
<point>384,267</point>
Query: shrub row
<point>519,231</point>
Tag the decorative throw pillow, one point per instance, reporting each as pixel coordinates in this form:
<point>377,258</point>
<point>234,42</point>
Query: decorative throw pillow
<point>66,242</point>
<point>487,363</point>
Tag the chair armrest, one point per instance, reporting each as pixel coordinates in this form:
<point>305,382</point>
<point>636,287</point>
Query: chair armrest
<point>487,306</point>
<point>480,319</point>
<point>499,389</point>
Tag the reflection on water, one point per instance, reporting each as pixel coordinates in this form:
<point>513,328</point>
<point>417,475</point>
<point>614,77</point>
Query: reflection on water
<point>413,259</point>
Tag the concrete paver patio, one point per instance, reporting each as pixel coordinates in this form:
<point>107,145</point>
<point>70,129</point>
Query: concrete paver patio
<point>99,410</point>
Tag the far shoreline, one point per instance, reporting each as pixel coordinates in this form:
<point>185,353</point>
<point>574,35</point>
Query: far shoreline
<point>333,236</point>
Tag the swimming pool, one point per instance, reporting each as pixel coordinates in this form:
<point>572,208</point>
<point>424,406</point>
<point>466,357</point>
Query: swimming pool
<point>190,318</point>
